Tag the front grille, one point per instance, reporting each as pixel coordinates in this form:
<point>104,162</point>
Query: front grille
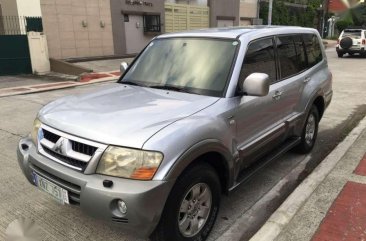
<point>70,151</point>
<point>50,136</point>
<point>72,189</point>
<point>68,160</point>
<point>83,148</point>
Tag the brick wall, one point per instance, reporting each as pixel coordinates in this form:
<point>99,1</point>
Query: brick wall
<point>77,28</point>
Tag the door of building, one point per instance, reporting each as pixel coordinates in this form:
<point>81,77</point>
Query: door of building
<point>181,17</point>
<point>14,47</point>
<point>14,55</point>
<point>136,40</point>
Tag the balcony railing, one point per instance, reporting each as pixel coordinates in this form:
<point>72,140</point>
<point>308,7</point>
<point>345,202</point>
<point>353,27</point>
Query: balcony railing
<point>19,25</point>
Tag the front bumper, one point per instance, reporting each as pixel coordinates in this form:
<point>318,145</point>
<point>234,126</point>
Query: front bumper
<point>145,199</point>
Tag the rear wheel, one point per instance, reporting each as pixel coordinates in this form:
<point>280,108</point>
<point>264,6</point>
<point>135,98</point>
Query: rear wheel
<point>309,132</point>
<point>192,206</point>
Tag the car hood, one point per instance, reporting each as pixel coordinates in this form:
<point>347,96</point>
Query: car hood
<point>121,115</point>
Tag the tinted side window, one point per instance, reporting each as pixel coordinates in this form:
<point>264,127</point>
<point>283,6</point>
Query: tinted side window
<point>300,53</point>
<point>287,56</point>
<point>259,58</point>
<point>313,50</point>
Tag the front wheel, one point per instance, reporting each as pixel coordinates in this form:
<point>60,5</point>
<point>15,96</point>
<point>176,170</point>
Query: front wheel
<point>309,132</point>
<point>340,55</point>
<point>192,206</point>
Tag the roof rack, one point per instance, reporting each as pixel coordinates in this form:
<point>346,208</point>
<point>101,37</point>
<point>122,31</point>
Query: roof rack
<point>356,27</point>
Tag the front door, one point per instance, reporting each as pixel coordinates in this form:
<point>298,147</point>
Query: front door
<point>259,120</point>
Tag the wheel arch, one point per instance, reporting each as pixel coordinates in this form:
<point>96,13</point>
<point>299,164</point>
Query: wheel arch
<point>211,152</point>
<point>319,102</point>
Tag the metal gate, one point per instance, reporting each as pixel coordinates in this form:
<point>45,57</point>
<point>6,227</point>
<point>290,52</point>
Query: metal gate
<point>14,47</point>
<point>180,17</point>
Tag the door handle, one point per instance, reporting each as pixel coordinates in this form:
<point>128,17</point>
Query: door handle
<point>307,79</point>
<point>277,95</point>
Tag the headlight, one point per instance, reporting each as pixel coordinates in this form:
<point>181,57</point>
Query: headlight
<point>36,125</point>
<point>129,163</point>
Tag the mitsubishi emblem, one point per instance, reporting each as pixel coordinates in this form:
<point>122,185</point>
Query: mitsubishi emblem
<point>59,146</point>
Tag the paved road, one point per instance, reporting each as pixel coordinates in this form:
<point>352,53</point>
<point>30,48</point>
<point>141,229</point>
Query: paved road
<point>19,199</point>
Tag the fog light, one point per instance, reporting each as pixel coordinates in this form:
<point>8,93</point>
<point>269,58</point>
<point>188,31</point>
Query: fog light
<point>122,206</point>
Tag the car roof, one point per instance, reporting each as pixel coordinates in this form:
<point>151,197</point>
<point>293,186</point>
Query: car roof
<point>236,32</point>
<point>354,29</point>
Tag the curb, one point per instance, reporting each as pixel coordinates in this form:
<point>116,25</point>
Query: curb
<point>84,80</point>
<point>283,215</point>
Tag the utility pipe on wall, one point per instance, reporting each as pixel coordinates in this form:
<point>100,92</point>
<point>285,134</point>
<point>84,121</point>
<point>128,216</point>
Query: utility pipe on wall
<point>270,12</point>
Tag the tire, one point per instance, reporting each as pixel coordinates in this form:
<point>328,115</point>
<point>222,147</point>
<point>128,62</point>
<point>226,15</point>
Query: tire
<point>309,132</point>
<point>180,206</point>
<point>346,43</point>
<point>340,55</point>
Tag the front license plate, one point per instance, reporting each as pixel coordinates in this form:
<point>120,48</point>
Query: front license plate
<point>52,189</point>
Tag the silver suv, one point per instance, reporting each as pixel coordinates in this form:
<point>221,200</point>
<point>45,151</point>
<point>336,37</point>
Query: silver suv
<point>153,152</point>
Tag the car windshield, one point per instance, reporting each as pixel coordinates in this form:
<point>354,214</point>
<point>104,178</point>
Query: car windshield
<point>194,65</point>
<point>352,33</point>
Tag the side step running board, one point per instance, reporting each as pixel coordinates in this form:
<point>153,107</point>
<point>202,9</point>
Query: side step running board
<point>247,173</point>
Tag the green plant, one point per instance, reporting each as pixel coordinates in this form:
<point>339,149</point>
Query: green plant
<point>343,24</point>
<point>290,14</point>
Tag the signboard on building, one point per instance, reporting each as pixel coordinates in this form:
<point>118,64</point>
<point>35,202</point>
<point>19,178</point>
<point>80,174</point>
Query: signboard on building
<point>139,3</point>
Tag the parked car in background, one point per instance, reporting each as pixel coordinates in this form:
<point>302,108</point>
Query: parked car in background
<point>351,41</point>
<point>154,152</point>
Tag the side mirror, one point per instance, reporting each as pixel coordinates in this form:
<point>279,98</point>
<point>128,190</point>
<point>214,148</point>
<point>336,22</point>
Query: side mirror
<point>123,67</point>
<point>256,84</point>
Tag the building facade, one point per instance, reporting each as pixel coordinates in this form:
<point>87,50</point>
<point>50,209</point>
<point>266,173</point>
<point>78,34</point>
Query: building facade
<point>78,28</point>
<point>15,14</point>
<point>29,8</point>
<point>249,11</point>
<point>90,28</point>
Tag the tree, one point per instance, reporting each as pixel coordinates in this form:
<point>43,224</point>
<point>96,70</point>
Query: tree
<point>290,14</point>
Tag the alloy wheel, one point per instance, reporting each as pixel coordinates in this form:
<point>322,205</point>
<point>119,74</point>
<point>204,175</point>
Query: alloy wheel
<point>194,210</point>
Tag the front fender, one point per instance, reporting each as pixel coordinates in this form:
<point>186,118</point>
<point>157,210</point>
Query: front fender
<point>199,149</point>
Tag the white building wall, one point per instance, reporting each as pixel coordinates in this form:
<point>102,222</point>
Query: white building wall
<point>29,8</point>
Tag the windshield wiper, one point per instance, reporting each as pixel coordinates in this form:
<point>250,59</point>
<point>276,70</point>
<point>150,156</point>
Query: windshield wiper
<point>132,83</point>
<point>169,87</point>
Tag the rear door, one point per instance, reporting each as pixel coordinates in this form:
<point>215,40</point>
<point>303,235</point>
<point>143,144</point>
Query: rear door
<point>292,65</point>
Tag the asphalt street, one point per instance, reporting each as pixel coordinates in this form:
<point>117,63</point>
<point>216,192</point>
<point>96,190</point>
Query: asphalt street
<point>18,199</point>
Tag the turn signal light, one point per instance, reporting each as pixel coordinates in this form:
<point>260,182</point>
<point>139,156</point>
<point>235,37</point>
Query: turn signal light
<point>144,173</point>
<point>363,41</point>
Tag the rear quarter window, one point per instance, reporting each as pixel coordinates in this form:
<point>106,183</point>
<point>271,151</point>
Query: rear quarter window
<point>313,49</point>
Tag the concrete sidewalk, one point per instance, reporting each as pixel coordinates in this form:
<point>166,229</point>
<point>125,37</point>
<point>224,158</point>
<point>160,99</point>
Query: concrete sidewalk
<point>90,78</point>
<point>330,204</point>
<point>104,65</point>
<point>103,70</point>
